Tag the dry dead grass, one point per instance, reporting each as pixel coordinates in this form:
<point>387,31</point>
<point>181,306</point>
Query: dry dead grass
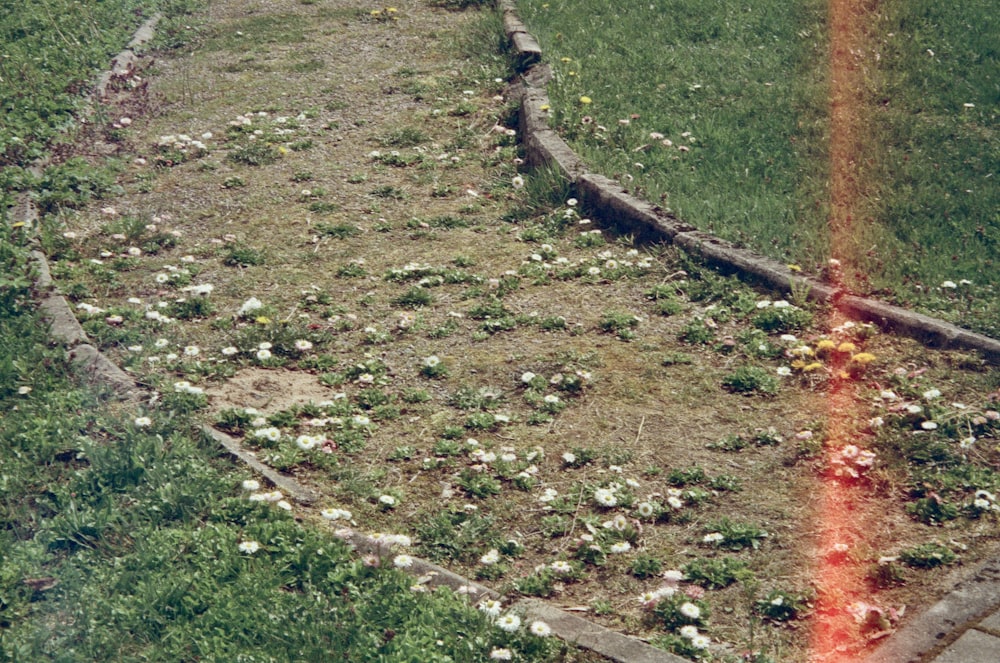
<point>370,85</point>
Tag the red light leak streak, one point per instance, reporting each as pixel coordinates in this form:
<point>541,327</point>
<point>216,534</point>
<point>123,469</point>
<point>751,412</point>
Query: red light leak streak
<point>835,635</point>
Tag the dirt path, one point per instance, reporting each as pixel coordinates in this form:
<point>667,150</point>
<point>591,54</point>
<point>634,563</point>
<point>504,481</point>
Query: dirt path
<point>352,173</point>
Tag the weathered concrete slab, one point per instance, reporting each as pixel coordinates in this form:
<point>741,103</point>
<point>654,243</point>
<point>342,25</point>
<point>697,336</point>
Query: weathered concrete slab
<point>127,61</point>
<point>43,281</point>
<point>434,575</point>
<point>766,271</point>
<point>293,488</point>
<point>928,330</point>
<point>64,328</point>
<point>145,33</point>
<point>973,647</point>
<point>628,214</point>
<point>97,369</point>
<point>611,644</point>
<point>547,149</point>
<point>538,76</point>
<point>534,117</point>
<point>991,623</point>
<point>526,49</point>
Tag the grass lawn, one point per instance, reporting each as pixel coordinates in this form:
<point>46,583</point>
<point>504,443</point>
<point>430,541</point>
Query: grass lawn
<point>742,95</point>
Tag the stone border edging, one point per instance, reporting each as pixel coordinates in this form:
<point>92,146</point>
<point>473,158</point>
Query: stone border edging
<point>297,491</point>
<point>610,201</point>
<point>64,328</point>
<point>97,369</point>
<point>125,62</point>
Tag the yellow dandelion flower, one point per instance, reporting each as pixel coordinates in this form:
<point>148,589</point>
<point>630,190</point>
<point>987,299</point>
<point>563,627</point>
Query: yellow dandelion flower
<point>566,60</point>
<point>798,364</point>
<point>263,320</point>
<point>794,268</point>
<point>809,368</point>
<point>545,107</point>
<point>825,345</point>
<point>844,375</point>
<point>376,12</point>
<point>391,10</point>
<point>586,100</point>
<point>282,150</point>
<point>863,358</point>
<point>846,347</point>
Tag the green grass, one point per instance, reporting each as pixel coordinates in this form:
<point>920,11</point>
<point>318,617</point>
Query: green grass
<point>110,527</point>
<point>745,91</point>
<point>52,49</point>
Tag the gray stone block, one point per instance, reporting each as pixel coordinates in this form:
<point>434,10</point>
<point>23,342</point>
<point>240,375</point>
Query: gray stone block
<point>527,50</point>
<point>293,488</point>
<point>43,281</point>
<point>64,328</point>
<point>928,330</point>
<point>962,608</point>
<point>145,33</point>
<point>546,148</point>
<point>97,369</point>
<point>991,623</point>
<point>611,644</point>
<point>628,214</point>
<point>973,647</point>
<point>765,271</point>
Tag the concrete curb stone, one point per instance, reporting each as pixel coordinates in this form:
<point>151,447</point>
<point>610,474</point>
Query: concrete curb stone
<point>64,328</point>
<point>567,626</point>
<point>584,633</point>
<point>636,217</point>
<point>97,369</point>
<point>526,48</point>
<point>434,575</point>
<point>295,490</point>
<point>125,62</point>
<point>972,647</point>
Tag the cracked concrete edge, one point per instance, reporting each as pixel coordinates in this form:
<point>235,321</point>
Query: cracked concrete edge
<point>426,572</point>
<point>295,490</point>
<point>526,50</point>
<point>566,626</point>
<point>928,634</point>
<point>126,61</point>
<point>588,635</point>
<point>612,203</point>
<point>145,32</point>
<point>96,369</point>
